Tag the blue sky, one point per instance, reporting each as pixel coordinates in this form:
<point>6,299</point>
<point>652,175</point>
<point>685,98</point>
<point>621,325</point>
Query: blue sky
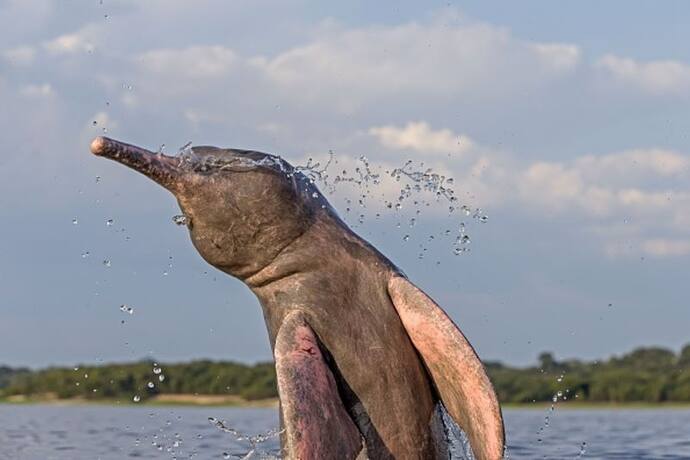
<point>566,123</point>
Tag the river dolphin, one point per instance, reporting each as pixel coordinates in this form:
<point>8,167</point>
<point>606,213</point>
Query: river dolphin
<point>365,360</point>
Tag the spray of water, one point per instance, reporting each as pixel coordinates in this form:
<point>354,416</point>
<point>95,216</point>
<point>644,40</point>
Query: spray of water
<point>253,441</point>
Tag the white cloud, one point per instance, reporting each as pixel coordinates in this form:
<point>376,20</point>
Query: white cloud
<point>196,62</point>
<point>551,184</point>
<point>656,77</point>
<point>419,136</point>
<point>660,247</point>
<point>348,67</point>
<point>43,90</point>
<point>604,184</point>
<point>634,163</point>
<point>606,194</point>
<point>559,57</point>
<point>21,55</point>
<point>70,43</point>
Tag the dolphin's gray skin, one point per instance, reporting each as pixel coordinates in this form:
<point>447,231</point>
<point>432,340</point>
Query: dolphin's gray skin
<point>363,357</point>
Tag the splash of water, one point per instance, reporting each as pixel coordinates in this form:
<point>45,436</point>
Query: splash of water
<point>179,219</point>
<point>252,440</point>
<point>458,442</point>
<point>560,395</point>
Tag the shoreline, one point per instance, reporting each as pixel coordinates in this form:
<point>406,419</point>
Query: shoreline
<point>190,400</point>
<point>196,400</point>
<point>591,405</point>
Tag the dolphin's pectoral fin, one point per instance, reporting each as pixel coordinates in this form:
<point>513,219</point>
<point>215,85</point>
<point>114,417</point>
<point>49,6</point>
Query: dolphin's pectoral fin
<point>458,374</point>
<point>316,424</point>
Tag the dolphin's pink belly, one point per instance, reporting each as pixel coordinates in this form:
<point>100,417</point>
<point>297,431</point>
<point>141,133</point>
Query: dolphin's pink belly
<point>382,381</point>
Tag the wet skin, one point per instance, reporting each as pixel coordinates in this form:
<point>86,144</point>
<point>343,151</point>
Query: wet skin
<point>252,216</point>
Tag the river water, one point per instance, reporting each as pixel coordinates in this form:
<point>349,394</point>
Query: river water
<point>107,432</point>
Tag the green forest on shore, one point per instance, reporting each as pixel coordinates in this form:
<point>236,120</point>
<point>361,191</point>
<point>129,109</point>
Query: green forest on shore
<point>645,375</point>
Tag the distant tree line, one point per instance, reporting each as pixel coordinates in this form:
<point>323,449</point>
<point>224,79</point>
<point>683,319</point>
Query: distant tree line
<point>645,375</point>
<point>146,379</point>
<point>650,375</point>
<point>8,373</point>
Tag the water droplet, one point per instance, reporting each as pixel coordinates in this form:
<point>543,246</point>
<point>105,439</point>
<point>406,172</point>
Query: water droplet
<point>314,195</point>
<point>186,151</point>
<point>157,370</point>
<point>75,221</point>
<point>161,378</point>
<point>94,123</point>
<point>136,398</point>
<point>126,309</point>
<point>106,263</point>
<point>150,385</point>
<point>109,223</point>
<point>98,179</point>
<point>406,238</point>
<point>180,219</point>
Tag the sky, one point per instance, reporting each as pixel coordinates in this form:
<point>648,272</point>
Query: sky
<point>565,123</point>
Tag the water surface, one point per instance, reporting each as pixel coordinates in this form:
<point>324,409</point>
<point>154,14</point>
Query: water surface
<point>107,432</point>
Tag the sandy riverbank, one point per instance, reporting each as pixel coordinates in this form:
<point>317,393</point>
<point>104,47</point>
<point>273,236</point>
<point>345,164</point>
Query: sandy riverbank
<point>161,400</point>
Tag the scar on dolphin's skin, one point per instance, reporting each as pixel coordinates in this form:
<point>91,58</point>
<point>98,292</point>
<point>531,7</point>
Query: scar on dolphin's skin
<point>364,359</point>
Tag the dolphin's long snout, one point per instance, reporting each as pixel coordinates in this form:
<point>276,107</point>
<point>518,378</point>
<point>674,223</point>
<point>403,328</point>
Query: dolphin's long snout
<point>161,168</point>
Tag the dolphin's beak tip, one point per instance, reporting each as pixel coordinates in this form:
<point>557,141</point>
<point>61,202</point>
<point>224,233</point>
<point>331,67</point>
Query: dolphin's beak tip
<point>99,145</point>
